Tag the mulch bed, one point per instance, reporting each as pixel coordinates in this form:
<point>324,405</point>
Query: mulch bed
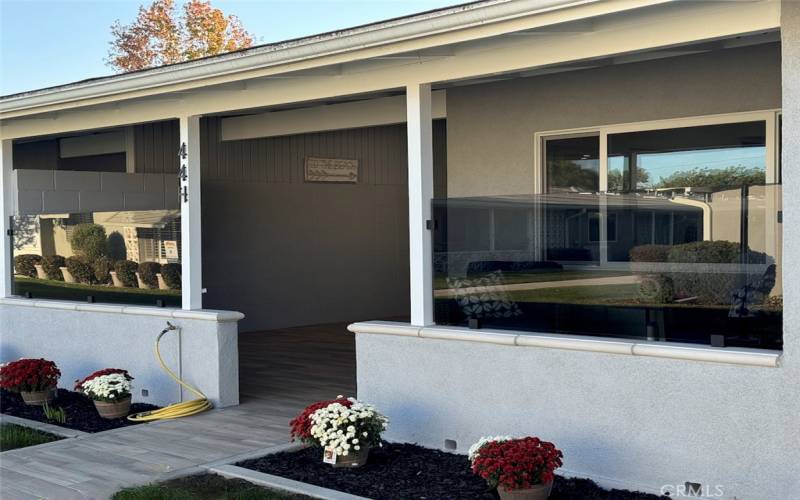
<point>407,471</point>
<point>80,410</point>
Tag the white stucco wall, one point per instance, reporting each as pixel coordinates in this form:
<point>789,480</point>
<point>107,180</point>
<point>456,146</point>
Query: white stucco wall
<point>491,127</point>
<point>82,338</point>
<point>625,421</point>
<point>631,421</point>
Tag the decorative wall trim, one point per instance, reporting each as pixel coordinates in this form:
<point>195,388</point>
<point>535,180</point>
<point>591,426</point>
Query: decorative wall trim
<point>165,312</point>
<point>691,352</point>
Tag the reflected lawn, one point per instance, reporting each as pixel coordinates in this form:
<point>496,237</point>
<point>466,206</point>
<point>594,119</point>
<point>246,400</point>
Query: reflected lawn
<point>512,278</point>
<point>602,294</point>
<point>52,289</point>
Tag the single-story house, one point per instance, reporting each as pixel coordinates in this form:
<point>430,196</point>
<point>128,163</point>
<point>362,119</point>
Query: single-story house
<point>553,217</point>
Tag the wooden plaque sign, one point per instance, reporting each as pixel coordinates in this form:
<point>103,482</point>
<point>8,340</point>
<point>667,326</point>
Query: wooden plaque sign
<point>331,170</point>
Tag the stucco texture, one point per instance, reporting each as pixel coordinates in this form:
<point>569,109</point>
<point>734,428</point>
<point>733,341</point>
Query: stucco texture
<point>490,127</point>
<point>81,342</point>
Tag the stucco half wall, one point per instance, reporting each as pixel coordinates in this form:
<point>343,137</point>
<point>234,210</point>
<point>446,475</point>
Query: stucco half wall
<point>82,338</point>
<point>637,422</point>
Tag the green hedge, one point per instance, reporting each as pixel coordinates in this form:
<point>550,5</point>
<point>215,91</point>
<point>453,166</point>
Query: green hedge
<point>704,285</point>
<point>25,264</point>
<point>102,268</point>
<point>126,272</point>
<point>80,269</point>
<point>89,241</point>
<point>148,271</point>
<point>52,265</point>
<point>172,275</point>
<point>649,253</point>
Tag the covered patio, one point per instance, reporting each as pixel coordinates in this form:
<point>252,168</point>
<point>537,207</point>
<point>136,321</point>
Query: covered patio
<point>441,142</point>
<point>282,370</point>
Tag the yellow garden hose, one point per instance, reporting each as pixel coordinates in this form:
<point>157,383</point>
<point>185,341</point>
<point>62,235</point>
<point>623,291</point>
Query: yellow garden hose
<point>177,410</point>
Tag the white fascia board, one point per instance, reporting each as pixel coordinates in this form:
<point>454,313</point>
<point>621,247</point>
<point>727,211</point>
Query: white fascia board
<point>367,113</point>
<point>462,23</point>
<point>669,25</point>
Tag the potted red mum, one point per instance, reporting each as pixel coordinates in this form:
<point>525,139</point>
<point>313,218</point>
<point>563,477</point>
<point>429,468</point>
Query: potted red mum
<point>520,469</point>
<point>34,379</point>
<point>300,426</point>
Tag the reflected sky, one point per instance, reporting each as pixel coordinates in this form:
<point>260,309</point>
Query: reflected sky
<point>662,165</point>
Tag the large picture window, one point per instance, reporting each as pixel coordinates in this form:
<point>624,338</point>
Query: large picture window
<point>664,231</point>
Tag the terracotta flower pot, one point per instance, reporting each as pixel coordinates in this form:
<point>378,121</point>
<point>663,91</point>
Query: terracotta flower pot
<point>353,459</point>
<point>538,492</point>
<point>118,409</point>
<point>38,398</point>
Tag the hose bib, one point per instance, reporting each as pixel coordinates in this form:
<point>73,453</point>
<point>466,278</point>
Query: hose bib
<point>177,410</point>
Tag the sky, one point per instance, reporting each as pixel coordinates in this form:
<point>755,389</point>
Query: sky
<point>52,42</point>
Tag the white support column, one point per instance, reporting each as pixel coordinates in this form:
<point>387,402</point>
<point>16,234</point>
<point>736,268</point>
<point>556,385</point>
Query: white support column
<point>191,239</point>
<point>6,210</point>
<point>420,194</point>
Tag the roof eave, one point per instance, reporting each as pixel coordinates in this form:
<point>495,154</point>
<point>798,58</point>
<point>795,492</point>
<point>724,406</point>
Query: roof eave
<point>274,56</point>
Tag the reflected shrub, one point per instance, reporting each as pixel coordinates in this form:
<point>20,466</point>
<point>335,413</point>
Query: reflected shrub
<point>148,271</point>
<point>650,253</point>
<point>89,241</point>
<point>52,265</point>
<point>657,289</point>
<point>717,252</point>
<point>102,268</point>
<point>126,272</point>
<point>80,269</point>
<point>713,282</point>
<point>25,264</point>
<point>711,287</point>
<point>172,275</point>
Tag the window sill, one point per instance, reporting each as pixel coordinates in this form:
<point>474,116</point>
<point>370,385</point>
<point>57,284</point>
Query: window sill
<point>670,350</point>
<point>165,312</point>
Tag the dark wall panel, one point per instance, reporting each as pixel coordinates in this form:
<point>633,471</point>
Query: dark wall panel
<point>286,252</point>
<point>156,147</point>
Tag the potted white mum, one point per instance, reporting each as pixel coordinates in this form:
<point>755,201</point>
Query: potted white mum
<point>346,429</point>
<point>111,393</point>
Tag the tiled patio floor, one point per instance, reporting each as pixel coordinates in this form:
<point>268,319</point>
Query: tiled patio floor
<point>281,371</point>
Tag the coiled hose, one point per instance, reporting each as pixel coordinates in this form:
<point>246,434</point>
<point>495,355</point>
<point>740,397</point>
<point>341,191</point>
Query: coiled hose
<point>177,410</point>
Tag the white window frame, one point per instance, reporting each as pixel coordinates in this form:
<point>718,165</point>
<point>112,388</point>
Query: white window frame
<point>769,116</point>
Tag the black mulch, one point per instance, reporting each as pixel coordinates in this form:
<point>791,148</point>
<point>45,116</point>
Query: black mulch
<point>407,471</point>
<point>80,410</point>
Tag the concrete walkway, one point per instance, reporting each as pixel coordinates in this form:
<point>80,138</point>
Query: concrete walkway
<point>96,466</point>
<point>281,372</point>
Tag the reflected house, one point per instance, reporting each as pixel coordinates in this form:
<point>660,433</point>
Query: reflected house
<point>140,236</point>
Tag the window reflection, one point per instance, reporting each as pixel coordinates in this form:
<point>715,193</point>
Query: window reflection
<point>573,165</point>
<point>120,257</point>
<point>684,246</point>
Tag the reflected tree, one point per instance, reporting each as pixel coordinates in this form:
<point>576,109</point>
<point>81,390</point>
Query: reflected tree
<point>26,231</point>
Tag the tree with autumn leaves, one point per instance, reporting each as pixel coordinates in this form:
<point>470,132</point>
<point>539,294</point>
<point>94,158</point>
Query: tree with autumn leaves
<point>163,35</point>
